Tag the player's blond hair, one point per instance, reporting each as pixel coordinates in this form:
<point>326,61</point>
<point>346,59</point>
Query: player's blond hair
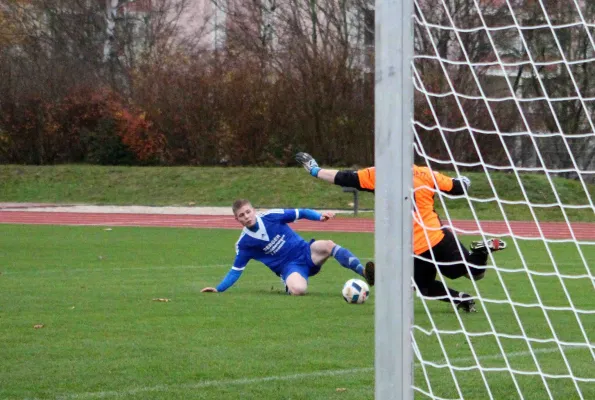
<point>239,204</point>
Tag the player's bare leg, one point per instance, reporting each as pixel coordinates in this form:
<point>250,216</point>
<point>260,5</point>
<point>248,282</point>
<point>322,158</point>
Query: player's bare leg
<point>321,250</point>
<point>296,284</point>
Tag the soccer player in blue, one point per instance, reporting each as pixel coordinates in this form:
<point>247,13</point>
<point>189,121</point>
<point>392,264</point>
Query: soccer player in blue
<point>267,238</point>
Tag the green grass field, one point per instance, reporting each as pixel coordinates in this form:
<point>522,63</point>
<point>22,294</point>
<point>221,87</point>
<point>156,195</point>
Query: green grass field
<point>208,186</point>
<point>105,337</point>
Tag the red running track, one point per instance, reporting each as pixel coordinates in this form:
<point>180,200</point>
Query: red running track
<point>550,230</point>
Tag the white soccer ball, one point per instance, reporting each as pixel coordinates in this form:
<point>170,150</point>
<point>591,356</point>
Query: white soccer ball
<point>356,291</point>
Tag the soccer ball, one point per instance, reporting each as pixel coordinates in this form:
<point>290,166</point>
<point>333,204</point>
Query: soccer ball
<point>356,291</point>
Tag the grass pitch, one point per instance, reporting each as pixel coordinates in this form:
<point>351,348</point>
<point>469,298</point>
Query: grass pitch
<point>213,186</point>
<point>104,336</point>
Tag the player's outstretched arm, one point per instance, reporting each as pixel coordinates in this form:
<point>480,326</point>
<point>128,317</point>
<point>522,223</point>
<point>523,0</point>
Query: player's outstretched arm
<point>313,215</point>
<point>326,215</point>
<point>455,186</point>
<point>460,185</point>
<point>310,165</point>
<point>230,279</point>
<point>464,181</point>
<point>362,179</point>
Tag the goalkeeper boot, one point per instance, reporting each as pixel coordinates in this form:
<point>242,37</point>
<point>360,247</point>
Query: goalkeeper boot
<point>369,273</point>
<point>488,246</point>
<point>466,303</point>
<point>307,161</point>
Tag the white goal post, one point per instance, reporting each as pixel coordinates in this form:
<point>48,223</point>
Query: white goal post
<point>501,91</point>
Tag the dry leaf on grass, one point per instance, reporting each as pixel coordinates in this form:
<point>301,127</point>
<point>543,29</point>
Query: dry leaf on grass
<point>38,326</point>
<point>162,300</point>
<point>341,389</point>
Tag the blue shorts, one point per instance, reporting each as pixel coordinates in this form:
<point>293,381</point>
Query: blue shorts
<point>302,264</point>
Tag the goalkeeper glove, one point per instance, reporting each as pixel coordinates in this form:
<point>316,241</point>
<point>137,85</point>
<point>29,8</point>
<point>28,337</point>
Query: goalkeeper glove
<point>466,181</point>
<point>308,162</point>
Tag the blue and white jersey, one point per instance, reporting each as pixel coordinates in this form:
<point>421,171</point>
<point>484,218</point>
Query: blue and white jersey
<point>274,243</point>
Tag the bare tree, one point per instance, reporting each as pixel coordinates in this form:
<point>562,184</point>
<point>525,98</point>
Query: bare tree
<point>454,82</point>
<point>564,75</point>
<point>60,47</point>
<point>103,40</point>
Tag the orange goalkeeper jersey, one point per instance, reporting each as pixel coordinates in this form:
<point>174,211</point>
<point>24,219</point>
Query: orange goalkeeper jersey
<point>425,218</point>
<point>367,178</point>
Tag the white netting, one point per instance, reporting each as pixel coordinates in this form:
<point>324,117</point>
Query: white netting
<point>505,94</point>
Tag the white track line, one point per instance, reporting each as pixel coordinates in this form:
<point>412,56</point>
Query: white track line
<point>274,378</point>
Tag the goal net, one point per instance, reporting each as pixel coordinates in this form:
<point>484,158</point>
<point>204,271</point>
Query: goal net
<point>504,93</point>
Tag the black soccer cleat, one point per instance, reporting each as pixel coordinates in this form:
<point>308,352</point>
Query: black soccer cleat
<point>488,246</point>
<point>307,161</point>
<point>468,305</point>
<point>369,272</point>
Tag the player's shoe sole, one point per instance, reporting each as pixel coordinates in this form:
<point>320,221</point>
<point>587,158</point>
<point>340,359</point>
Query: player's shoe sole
<point>369,272</point>
<point>489,245</point>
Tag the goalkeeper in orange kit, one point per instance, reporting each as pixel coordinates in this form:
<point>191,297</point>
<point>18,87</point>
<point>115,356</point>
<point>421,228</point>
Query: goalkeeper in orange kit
<point>435,247</point>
